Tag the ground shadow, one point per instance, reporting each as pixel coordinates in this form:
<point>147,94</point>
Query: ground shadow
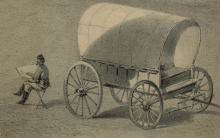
<point>176,118</point>
<point>118,112</point>
<point>167,119</point>
<point>54,102</point>
<point>211,112</point>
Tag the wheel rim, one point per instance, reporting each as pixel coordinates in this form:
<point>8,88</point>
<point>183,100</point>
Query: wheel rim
<point>200,97</point>
<point>83,90</point>
<point>145,105</point>
<point>120,95</point>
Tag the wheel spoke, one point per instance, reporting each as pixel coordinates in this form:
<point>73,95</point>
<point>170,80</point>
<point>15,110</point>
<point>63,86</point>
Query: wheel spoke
<point>82,107</point>
<point>154,106</point>
<point>201,95</point>
<point>137,99</point>
<point>74,99</point>
<point>92,92</point>
<point>86,74</point>
<point>92,100</point>
<point>200,103</point>
<point>92,87</point>
<point>143,98</point>
<point>127,94</point>
<point>77,104</point>
<point>192,105</point>
<point>122,95</point>
<point>137,110</point>
<point>143,119</point>
<point>201,80</point>
<point>140,115</point>
<point>151,116</point>
<point>203,90</point>
<point>198,74</point>
<point>133,106</point>
<point>148,121</point>
<point>73,85</point>
<point>153,111</point>
<point>74,79</point>
<point>203,85</point>
<point>77,75</point>
<point>89,79</point>
<point>87,106</point>
<point>118,92</point>
<point>148,93</point>
<point>143,92</point>
<point>81,75</point>
<point>153,94</point>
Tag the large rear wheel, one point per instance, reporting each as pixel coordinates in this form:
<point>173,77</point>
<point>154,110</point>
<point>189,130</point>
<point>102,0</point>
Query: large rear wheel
<point>83,90</point>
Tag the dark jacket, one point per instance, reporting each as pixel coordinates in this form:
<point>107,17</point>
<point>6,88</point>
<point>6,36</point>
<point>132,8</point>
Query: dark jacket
<point>41,76</point>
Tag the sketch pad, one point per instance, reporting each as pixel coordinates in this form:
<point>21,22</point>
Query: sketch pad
<point>26,69</point>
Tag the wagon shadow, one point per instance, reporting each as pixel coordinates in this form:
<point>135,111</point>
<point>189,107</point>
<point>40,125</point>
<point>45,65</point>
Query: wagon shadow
<point>168,119</point>
<point>176,118</point>
<point>118,112</point>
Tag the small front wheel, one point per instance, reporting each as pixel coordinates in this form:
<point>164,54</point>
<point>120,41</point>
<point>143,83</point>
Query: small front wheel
<point>145,104</point>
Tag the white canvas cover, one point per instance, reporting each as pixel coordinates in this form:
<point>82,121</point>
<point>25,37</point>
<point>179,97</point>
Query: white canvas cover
<point>137,37</point>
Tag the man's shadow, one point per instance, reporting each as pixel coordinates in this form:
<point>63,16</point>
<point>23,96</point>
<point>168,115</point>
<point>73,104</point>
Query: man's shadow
<point>54,103</point>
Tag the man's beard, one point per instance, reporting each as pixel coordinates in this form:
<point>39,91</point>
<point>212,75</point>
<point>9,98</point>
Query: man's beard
<point>39,63</point>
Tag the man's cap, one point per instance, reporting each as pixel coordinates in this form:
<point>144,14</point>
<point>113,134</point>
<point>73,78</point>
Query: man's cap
<point>41,57</point>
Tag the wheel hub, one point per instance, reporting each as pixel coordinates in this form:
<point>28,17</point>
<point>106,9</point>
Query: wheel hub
<point>145,107</point>
<point>196,89</point>
<point>82,91</point>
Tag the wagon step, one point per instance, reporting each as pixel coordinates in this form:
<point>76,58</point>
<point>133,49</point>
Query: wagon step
<point>179,85</point>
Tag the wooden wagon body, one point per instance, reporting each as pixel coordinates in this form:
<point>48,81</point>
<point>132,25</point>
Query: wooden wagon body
<point>143,56</point>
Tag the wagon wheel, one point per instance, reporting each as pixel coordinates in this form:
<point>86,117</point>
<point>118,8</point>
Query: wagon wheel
<point>200,97</point>
<point>120,95</point>
<point>147,112</point>
<point>83,90</point>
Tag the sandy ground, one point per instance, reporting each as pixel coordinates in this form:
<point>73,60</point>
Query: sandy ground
<point>30,27</point>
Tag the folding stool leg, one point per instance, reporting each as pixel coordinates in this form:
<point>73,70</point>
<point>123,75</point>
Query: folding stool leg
<point>41,101</point>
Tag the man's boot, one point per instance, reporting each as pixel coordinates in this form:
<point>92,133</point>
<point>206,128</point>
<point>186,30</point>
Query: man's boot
<point>22,100</point>
<point>21,90</point>
<point>26,96</point>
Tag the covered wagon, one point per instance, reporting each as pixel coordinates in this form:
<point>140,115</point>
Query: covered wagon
<point>143,56</point>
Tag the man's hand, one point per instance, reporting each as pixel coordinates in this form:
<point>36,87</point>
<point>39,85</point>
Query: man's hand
<point>30,80</point>
<point>30,74</point>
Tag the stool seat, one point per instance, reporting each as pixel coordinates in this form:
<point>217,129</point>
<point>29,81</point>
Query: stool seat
<point>41,98</point>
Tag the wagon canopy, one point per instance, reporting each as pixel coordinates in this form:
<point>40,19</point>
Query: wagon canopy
<point>137,37</point>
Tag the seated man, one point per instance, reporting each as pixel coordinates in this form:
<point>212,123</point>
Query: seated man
<point>39,81</point>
